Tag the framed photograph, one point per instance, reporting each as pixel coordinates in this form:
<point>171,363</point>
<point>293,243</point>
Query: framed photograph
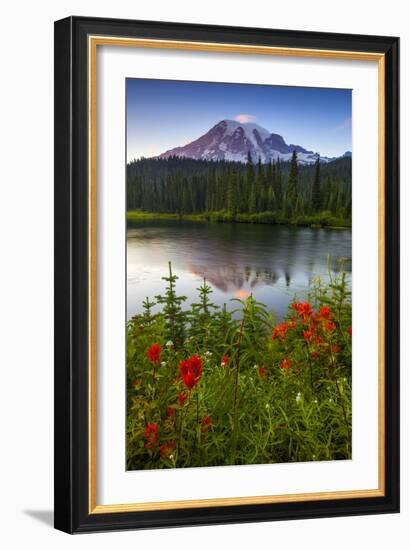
<point>226,274</point>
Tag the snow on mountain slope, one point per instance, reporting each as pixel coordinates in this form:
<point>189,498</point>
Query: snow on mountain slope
<point>232,140</point>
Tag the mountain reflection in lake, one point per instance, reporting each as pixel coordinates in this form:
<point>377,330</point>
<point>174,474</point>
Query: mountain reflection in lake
<point>272,262</point>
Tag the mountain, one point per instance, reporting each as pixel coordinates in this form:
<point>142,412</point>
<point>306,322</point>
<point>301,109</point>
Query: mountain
<point>232,141</point>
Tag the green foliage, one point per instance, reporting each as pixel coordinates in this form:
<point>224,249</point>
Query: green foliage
<point>293,182</point>
<point>316,190</point>
<point>174,316</point>
<point>202,189</point>
<point>264,393</point>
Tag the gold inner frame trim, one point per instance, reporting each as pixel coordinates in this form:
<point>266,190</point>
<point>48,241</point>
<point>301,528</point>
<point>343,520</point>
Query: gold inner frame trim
<point>93,42</point>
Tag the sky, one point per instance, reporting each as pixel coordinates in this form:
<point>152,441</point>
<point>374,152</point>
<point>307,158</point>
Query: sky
<point>162,114</point>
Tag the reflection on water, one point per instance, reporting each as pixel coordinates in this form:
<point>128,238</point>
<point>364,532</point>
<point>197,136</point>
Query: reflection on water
<point>272,262</point>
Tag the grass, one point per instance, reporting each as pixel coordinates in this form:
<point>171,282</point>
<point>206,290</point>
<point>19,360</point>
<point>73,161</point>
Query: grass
<point>322,219</point>
<point>206,387</point>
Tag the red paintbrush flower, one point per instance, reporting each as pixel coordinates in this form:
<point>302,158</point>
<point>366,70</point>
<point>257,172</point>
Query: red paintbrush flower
<point>304,309</point>
<point>154,353</point>
<point>195,366</point>
<point>181,398</point>
<point>166,449</point>
<point>189,380</point>
<point>349,330</point>
<point>184,368</point>
<point>191,371</point>
<point>225,360</point>
<point>170,412</point>
<point>151,435</point>
<point>325,312</point>
<point>262,372</point>
<point>206,423</point>
<point>285,364</point>
<point>329,326</point>
<point>308,335</point>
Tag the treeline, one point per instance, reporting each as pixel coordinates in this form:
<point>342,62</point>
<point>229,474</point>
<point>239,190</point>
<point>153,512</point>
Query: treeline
<point>289,190</point>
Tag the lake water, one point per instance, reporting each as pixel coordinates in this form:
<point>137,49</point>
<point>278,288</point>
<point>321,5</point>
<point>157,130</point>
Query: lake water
<point>272,262</point>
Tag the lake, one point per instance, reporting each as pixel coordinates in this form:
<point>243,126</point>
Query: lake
<point>272,262</point>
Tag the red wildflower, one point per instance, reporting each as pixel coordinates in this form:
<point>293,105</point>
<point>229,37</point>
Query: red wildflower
<point>335,348</point>
<point>280,330</point>
<point>154,353</point>
<point>349,331</point>
<point>195,364</point>
<point>170,412</point>
<point>262,372</point>
<point>151,435</point>
<point>314,354</point>
<point>136,383</point>
<point>292,323</point>
<point>308,335</point>
<point>191,371</point>
<point>318,340</point>
<point>183,368</point>
<point>285,364</point>
<point>189,380</point>
<point>206,423</point>
<point>325,312</point>
<point>304,309</point>
<point>166,449</point>
<point>225,360</point>
<point>181,398</point>
<point>329,326</point>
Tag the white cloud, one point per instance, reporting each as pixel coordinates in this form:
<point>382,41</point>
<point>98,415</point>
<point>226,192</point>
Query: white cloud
<point>245,118</point>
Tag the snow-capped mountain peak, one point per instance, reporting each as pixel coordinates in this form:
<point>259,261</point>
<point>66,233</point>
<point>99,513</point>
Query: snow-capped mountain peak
<point>233,141</point>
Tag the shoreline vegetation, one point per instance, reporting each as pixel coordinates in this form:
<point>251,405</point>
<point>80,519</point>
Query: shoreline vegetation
<point>286,193</point>
<point>323,219</point>
<point>206,387</point>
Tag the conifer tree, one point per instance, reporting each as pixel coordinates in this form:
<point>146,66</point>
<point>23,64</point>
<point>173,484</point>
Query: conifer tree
<point>316,191</point>
<point>293,191</point>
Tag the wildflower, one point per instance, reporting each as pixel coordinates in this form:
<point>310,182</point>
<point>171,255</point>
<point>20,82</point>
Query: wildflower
<point>183,368</point>
<point>170,412</point>
<point>163,363</point>
<point>166,449</point>
<point>189,380</point>
<point>181,398</point>
<point>329,326</point>
<point>154,353</point>
<point>208,353</point>
<point>318,340</point>
<point>335,348</point>
<point>262,372</point>
<point>136,383</point>
<point>285,364</point>
<point>206,423</point>
<point>304,309</point>
<point>281,330</point>
<point>225,361</point>
<point>314,354</point>
<point>349,331</point>
<point>325,312</point>
<point>308,335</point>
<point>191,371</point>
<point>315,401</point>
<point>151,435</point>
<point>169,344</point>
<point>195,365</point>
<point>298,397</point>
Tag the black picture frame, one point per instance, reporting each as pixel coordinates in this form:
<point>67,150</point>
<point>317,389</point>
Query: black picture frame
<point>72,277</point>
